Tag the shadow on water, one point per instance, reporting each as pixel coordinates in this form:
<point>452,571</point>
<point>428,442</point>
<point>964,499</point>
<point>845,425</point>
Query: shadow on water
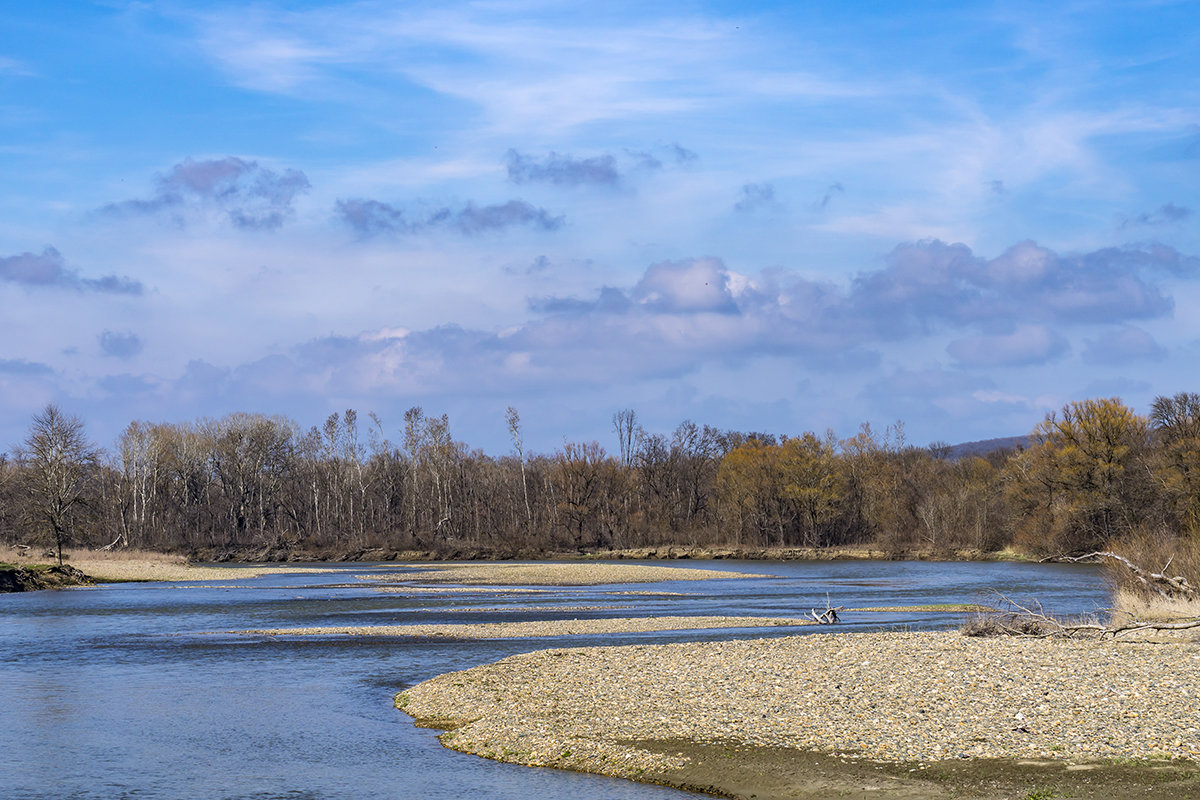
<point>132,691</point>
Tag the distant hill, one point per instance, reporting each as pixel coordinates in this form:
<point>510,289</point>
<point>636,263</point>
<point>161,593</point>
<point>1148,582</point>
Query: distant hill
<point>985,446</point>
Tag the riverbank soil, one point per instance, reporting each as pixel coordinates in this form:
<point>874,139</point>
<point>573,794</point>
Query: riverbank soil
<point>775,773</point>
<point>32,577</point>
<point>120,566</point>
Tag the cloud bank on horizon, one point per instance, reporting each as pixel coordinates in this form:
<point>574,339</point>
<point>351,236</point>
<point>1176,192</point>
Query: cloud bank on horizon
<point>755,216</point>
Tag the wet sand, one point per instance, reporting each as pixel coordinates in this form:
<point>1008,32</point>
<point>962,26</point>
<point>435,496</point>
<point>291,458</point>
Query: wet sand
<point>895,715</point>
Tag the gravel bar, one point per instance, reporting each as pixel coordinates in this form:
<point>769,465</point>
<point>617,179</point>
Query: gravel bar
<point>883,697</point>
<point>523,630</point>
<point>551,574</point>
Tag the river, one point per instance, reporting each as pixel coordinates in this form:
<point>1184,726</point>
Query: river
<point>138,690</point>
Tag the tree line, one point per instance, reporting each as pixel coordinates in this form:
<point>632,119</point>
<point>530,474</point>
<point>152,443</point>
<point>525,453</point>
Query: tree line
<point>1094,472</point>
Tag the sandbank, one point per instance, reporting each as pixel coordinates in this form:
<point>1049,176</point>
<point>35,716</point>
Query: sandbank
<point>142,565</point>
<point>550,574</point>
<point>522,630</point>
<point>909,714</point>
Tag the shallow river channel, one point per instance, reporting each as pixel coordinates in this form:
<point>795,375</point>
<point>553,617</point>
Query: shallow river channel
<point>141,691</point>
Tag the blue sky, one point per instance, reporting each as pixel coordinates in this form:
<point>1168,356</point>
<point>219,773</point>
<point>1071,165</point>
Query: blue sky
<point>759,216</point>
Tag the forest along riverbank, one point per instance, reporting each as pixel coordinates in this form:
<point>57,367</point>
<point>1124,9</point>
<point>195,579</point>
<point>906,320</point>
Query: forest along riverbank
<point>285,552</point>
<point>910,714</point>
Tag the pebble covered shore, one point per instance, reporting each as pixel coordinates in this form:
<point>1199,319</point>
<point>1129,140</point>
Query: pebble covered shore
<point>555,627</point>
<point>889,697</point>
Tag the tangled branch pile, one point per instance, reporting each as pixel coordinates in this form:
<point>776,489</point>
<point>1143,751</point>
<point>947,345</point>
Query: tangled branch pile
<point>1016,619</point>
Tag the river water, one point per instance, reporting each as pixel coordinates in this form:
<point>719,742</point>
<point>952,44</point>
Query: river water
<point>140,691</point>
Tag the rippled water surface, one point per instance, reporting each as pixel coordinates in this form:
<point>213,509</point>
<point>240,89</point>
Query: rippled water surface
<point>140,691</point>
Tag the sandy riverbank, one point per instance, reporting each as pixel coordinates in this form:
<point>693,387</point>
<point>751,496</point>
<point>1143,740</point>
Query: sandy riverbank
<point>144,565</point>
<point>540,628</point>
<point>911,714</point>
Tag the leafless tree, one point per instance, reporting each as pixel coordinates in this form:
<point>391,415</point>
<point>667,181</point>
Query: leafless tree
<point>57,457</point>
<point>514,429</point>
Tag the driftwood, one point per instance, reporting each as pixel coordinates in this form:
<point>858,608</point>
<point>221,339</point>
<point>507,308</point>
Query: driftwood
<point>827,617</point>
<point>1032,622</point>
<point>1162,584</point>
<point>1158,582</point>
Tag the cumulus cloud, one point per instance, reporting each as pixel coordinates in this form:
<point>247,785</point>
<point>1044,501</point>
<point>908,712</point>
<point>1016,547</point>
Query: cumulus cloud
<point>681,154</point>
<point>19,366</point>
<point>372,217</point>
<point>687,317</point>
<point>477,219</point>
<point>755,196</point>
<point>652,160</point>
<point>49,269</point>
<point>686,287</point>
<point>645,160</point>
<point>1004,311</point>
<point>927,284</point>
<point>606,169</point>
<point>1029,344</point>
<point>1127,345</point>
<point>126,384</point>
<point>121,344</point>
<point>608,301</point>
<point>248,195</point>
<point>1163,215</point>
<point>563,170</point>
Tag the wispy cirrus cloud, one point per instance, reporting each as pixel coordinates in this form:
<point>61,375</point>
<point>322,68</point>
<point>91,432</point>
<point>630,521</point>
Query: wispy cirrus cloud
<point>15,68</point>
<point>48,269</point>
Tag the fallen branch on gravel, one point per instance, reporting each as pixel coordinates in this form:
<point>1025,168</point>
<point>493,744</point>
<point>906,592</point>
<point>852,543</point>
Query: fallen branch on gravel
<point>1158,582</point>
<point>1033,622</point>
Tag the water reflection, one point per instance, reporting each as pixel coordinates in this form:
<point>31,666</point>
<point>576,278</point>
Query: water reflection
<point>126,691</point>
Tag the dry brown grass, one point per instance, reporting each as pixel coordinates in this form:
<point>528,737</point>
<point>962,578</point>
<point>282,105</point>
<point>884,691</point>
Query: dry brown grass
<point>1152,608</point>
<point>1153,551</point>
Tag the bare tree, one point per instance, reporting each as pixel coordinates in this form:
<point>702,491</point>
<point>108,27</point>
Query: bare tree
<point>514,429</point>
<point>625,425</point>
<point>57,456</point>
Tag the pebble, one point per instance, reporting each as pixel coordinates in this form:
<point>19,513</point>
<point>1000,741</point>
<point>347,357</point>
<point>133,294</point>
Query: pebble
<point>890,697</point>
